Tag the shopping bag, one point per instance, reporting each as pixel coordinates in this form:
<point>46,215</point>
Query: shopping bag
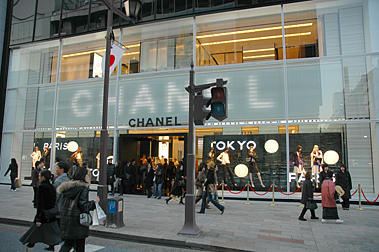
<point>95,219</point>
<point>100,213</point>
<point>18,183</point>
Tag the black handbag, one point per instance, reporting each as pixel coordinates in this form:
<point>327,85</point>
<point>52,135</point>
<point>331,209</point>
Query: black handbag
<point>311,204</point>
<point>51,213</point>
<point>181,182</point>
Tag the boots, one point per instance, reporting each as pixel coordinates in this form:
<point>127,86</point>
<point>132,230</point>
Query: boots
<point>260,179</point>
<point>251,179</point>
<point>167,200</point>
<point>181,201</point>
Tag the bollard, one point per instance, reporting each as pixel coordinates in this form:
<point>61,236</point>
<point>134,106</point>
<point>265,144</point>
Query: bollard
<point>222,192</point>
<point>273,198</point>
<point>248,185</point>
<point>359,197</point>
<point>115,216</point>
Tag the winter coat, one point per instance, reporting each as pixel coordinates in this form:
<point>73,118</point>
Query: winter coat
<point>58,181</point>
<point>343,179</point>
<point>307,192</point>
<point>210,177</point>
<point>110,173</point>
<point>176,189</point>
<point>327,193</point>
<point>149,176</point>
<point>46,200</point>
<point>35,174</point>
<point>74,202</point>
<point>13,168</point>
<point>201,178</point>
<point>159,175</point>
<point>323,175</point>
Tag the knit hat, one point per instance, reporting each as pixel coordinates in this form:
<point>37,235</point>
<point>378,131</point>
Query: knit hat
<point>211,164</point>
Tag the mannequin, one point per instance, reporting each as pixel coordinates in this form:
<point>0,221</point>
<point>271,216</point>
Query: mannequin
<point>253,168</point>
<point>224,158</point>
<point>212,154</point>
<point>78,156</point>
<point>316,159</point>
<point>36,156</point>
<point>298,164</point>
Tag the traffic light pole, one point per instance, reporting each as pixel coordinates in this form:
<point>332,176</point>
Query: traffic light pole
<point>190,227</point>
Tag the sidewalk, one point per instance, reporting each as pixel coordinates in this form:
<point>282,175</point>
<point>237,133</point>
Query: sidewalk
<point>256,227</point>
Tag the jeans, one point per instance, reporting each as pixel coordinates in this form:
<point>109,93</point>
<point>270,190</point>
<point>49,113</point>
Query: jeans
<point>210,198</point>
<point>13,184</point>
<point>157,190</point>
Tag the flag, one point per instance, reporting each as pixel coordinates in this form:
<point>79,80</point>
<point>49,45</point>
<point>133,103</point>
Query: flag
<point>115,57</point>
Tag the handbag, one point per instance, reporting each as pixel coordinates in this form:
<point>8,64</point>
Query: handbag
<point>311,204</point>
<point>85,219</point>
<point>181,182</point>
<point>51,213</point>
<point>18,183</point>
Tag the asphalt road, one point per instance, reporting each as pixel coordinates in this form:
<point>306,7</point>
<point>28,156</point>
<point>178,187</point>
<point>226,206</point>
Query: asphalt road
<point>10,235</point>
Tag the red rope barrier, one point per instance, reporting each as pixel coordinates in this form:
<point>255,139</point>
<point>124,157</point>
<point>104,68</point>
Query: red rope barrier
<point>261,194</point>
<point>368,200</point>
<point>287,193</point>
<point>317,195</point>
<point>354,192</point>
<point>218,186</point>
<point>234,192</point>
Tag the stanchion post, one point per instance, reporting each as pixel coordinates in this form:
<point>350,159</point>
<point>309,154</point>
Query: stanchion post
<point>248,185</point>
<point>273,197</point>
<point>359,197</point>
<point>222,192</point>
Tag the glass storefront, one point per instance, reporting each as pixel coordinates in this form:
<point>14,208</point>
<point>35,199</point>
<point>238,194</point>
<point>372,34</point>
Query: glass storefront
<point>295,78</point>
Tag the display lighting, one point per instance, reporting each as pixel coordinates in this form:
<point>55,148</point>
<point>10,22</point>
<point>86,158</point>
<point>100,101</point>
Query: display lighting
<point>96,51</point>
<point>72,146</point>
<point>241,170</point>
<point>259,56</point>
<point>254,30</point>
<point>259,50</point>
<point>331,157</point>
<point>257,38</point>
<point>271,146</point>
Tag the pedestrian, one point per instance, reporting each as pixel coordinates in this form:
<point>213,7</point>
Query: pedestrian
<point>61,170</point>
<point>209,183</point>
<point>110,175</point>
<point>324,173</point>
<point>171,171</point>
<point>45,230</point>
<point>343,179</point>
<point>178,187</point>
<point>119,170</point>
<point>13,169</point>
<point>200,180</point>
<point>74,202</point>
<point>35,181</point>
<point>149,176</point>
<point>133,176</point>
<point>307,195</point>
<point>328,202</point>
<point>158,181</point>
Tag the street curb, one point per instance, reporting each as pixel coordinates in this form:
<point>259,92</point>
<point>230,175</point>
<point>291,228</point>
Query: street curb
<point>138,239</point>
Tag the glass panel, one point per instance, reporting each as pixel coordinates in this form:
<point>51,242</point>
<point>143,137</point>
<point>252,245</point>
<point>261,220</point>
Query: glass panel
<point>33,65</point>
<point>237,37</point>
<point>333,144</point>
<point>162,46</point>
<point>328,89</point>
<point>45,107</point>
<point>141,99</point>
<point>213,5</point>
<point>254,92</point>
<point>330,29</point>
<point>74,16</point>
<point>22,21</point>
<point>82,57</point>
<point>147,10</point>
<point>47,22</point>
<point>173,8</point>
<point>79,105</point>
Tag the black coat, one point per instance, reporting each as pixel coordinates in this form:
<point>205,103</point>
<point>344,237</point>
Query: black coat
<point>13,168</point>
<point>176,189</point>
<point>159,176</point>
<point>307,192</point>
<point>343,179</point>
<point>46,200</point>
<point>323,175</point>
<point>149,176</point>
<point>74,202</point>
<point>110,173</point>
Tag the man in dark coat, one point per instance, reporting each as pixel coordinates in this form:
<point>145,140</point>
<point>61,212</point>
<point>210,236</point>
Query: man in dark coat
<point>110,174</point>
<point>343,179</point>
<point>307,194</point>
<point>149,176</point>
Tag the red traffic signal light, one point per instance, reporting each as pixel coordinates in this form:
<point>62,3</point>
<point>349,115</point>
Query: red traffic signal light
<point>219,103</point>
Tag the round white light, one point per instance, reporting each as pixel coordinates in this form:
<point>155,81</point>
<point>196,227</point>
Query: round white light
<point>241,170</point>
<point>271,146</point>
<point>331,157</point>
<point>72,146</point>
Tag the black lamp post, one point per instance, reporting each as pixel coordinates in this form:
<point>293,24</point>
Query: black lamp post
<point>131,7</point>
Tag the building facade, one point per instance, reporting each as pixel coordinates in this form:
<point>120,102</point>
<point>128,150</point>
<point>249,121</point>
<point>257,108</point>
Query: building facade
<point>299,73</point>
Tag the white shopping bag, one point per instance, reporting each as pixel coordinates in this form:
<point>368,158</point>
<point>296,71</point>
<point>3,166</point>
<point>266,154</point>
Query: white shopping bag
<point>95,219</point>
<point>100,213</point>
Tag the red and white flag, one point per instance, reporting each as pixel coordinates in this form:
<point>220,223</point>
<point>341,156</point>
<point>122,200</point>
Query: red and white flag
<point>115,57</point>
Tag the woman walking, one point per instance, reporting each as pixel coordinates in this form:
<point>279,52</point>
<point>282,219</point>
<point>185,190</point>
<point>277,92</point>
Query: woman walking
<point>328,202</point>
<point>306,195</point>
<point>74,202</point>
<point>343,179</point>
<point>13,168</point>
<point>45,229</point>
<point>177,188</point>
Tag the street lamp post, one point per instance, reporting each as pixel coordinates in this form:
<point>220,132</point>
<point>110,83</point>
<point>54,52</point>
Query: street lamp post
<point>132,8</point>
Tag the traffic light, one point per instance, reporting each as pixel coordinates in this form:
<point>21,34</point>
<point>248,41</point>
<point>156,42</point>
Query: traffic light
<point>201,113</point>
<point>219,103</point>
